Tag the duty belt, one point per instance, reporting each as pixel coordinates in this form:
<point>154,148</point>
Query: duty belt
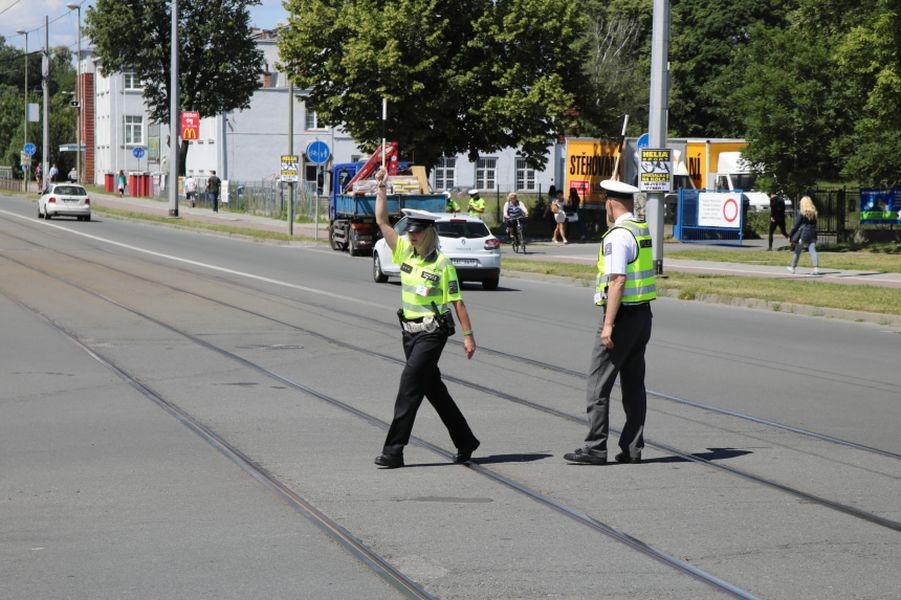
<point>428,324</point>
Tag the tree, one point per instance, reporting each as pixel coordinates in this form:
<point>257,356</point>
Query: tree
<point>706,37</point>
<point>219,63</point>
<point>788,106</point>
<point>617,68</point>
<point>460,76</point>
<point>821,98</point>
<point>12,111</point>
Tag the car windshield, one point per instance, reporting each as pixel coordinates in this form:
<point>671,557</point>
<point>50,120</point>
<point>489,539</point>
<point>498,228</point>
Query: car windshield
<point>461,228</point>
<point>70,190</point>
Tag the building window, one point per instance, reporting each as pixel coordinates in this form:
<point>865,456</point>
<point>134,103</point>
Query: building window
<point>445,173</point>
<point>486,173</point>
<point>525,176</point>
<point>130,81</point>
<point>134,131</point>
<point>313,121</point>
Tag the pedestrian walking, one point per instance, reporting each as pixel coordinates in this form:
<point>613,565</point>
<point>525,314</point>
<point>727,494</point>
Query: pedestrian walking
<point>190,185</point>
<point>213,186</point>
<point>429,288</point>
<point>626,285</point>
<point>777,218</point>
<point>121,182</point>
<point>558,207</point>
<point>804,235</point>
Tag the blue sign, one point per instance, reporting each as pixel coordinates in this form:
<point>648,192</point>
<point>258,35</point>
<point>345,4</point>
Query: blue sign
<point>318,152</point>
<point>29,149</point>
<point>138,152</point>
<point>643,141</point>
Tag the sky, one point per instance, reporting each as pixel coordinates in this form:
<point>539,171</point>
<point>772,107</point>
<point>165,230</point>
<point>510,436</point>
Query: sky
<point>29,15</point>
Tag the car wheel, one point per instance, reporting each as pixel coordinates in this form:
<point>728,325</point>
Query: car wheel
<point>40,214</point>
<point>491,284</point>
<point>377,275</point>
<point>46,214</point>
<point>87,217</point>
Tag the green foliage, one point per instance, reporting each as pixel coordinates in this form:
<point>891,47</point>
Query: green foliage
<point>12,105</point>
<point>460,76</point>
<point>219,63</point>
<point>617,66</point>
<point>707,38</point>
<point>821,98</point>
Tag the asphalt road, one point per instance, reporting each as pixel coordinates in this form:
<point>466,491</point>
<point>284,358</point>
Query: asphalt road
<point>160,385</point>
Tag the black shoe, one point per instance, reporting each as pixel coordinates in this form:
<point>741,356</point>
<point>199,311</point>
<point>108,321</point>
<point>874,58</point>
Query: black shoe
<point>583,457</point>
<point>622,457</point>
<point>389,461</point>
<point>463,456</point>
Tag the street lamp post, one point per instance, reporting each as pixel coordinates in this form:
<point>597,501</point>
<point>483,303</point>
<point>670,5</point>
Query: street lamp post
<point>25,129</point>
<point>78,110</point>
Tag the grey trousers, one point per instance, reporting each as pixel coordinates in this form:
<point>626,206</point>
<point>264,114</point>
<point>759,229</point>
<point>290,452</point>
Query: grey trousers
<point>631,333</point>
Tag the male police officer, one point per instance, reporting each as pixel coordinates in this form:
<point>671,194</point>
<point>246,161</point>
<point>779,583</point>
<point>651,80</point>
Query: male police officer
<point>476,206</point>
<point>625,287</point>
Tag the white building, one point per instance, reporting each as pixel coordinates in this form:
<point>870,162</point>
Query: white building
<point>246,146</point>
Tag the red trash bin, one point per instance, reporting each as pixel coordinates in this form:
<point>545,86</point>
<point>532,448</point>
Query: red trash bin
<point>109,182</point>
<point>145,185</point>
<point>132,185</point>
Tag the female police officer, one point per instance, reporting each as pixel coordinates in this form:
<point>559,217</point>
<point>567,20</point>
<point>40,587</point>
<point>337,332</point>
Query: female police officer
<point>429,286</point>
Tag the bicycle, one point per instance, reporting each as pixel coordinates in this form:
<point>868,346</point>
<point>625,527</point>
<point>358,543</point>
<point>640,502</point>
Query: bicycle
<point>515,231</point>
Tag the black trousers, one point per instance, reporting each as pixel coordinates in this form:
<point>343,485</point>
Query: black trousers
<point>773,226</point>
<point>631,334</point>
<point>421,378</point>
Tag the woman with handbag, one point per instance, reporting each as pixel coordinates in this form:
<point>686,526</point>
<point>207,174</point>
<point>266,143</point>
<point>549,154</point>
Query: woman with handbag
<point>804,235</point>
<point>558,207</point>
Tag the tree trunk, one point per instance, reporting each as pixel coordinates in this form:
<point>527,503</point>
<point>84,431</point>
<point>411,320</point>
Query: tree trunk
<point>183,157</point>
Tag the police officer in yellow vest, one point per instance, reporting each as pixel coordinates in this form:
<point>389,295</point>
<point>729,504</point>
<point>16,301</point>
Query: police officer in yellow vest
<point>626,285</point>
<point>429,288</point>
<point>476,206</point>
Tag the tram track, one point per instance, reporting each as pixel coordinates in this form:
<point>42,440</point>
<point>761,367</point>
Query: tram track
<point>276,485</point>
<point>512,398</point>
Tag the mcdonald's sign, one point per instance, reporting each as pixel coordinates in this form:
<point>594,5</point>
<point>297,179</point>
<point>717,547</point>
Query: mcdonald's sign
<point>190,125</point>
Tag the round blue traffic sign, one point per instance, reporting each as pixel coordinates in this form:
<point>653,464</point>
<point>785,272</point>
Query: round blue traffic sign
<point>643,141</point>
<point>138,152</point>
<point>318,152</point>
<point>29,149</point>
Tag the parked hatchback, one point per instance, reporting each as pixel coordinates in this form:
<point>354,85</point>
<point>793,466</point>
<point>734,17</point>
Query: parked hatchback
<point>465,240</point>
<point>64,199</point>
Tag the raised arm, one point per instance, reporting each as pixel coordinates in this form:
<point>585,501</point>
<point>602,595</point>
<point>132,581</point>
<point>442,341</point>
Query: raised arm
<point>381,209</point>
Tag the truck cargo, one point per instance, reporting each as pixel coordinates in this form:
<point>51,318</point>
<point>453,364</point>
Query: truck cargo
<point>352,223</point>
<point>714,164</point>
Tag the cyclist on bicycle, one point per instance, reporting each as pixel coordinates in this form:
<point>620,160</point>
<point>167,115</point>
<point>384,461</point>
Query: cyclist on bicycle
<point>513,211</point>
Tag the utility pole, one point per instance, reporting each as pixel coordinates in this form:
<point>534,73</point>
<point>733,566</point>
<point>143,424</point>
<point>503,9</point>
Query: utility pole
<point>290,153</point>
<point>25,129</point>
<point>79,111</point>
<point>174,93</point>
<point>45,73</point>
<point>657,116</point>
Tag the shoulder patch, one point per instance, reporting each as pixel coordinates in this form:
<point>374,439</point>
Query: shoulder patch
<point>453,287</point>
<point>608,248</point>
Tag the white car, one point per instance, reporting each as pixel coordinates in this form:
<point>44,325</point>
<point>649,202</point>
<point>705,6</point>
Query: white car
<point>64,199</point>
<point>465,240</point>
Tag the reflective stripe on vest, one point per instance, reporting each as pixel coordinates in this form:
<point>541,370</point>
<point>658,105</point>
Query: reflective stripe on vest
<point>641,282</point>
<point>421,285</point>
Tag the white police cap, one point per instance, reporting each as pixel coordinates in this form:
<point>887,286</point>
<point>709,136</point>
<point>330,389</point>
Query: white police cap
<point>417,220</point>
<point>473,192</point>
<point>618,189</point>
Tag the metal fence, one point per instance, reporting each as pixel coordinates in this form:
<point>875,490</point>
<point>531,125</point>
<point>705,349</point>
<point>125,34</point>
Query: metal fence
<point>835,208</point>
<point>267,198</point>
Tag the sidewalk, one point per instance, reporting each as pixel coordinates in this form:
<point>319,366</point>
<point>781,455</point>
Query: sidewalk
<point>537,250</point>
